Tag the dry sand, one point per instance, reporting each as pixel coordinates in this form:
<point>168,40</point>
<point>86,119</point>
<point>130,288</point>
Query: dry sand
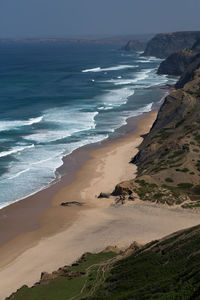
<point>65,233</point>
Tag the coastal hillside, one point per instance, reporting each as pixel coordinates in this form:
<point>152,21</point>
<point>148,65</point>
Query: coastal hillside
<point>135,45</point>
<point>188,73</point>
<point>177,63</point>
<point>163,269</point>
<point>162,45</point>
<point>196,46</point>
<point>181,63</point>
<point>168,160</point>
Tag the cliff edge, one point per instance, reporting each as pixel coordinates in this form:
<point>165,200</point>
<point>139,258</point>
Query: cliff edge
<point>162,45</point>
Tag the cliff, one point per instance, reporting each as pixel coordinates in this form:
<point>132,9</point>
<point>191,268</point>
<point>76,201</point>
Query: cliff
<point>189,72</point>
<point>196,46</point>
<point>162,45</point>
<point>135,45</point>
<point>177,63</point>
<point>168,158</point>
<point>163,269</point>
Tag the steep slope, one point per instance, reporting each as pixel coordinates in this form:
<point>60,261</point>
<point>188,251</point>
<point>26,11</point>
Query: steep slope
<point>188,74</point>
<point>196,46</point>
<point>169,157</point>
<point>135,45</point>
<point>162,45</point>
<point>164,269</point>
<point>177,63</point>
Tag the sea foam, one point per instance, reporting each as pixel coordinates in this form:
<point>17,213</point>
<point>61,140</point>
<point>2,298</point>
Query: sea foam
<point>15,150</point>
<point>116,68</point>
<point>10,125</point>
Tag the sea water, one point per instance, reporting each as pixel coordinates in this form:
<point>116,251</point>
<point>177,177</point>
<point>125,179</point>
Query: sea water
<point>57,97</point>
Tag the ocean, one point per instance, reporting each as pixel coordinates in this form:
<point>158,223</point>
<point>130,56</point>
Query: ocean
<point>55,98</point>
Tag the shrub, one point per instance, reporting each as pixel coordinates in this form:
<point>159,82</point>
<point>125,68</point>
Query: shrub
<point>179,123</point>
<point>169,179</point>
<point>185,170</point>
<point>185,185</point>
<point>196,189</point>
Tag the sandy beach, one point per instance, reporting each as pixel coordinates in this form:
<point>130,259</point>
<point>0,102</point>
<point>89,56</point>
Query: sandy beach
<point>37,234</point>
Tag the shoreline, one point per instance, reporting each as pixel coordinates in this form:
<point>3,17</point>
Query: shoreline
<point>122,131</point>
<point>25,223</point>
<point>65,233</point>
<point>72,163</point>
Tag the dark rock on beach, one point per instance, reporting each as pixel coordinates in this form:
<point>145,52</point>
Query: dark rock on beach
<point>71,203</point>
<point>104,195</point>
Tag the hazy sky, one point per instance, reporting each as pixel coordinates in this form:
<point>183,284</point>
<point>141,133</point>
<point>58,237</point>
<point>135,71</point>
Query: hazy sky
<point>62,18</point>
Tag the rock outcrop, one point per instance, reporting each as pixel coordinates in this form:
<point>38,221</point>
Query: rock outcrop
<point>135,45</point>
<point>177,63</point>
<point>162,45</point>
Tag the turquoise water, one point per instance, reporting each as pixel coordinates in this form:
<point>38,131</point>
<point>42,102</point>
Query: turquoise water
<point>55,98</point>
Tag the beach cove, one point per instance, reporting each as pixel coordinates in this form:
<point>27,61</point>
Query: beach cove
<point>57,235</point>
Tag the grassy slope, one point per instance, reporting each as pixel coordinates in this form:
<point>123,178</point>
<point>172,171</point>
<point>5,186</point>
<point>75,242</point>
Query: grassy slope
<point>64,287</point>
<point>165,269</point>
<point>169,269</point>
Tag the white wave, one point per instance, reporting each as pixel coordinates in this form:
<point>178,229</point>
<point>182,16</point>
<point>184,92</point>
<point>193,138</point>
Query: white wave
<point>66,122</point>
<point>15,150</point>
<point>18,174</point>
<point>140,76</point>
<point>115,98</point>
<point>151,58</point>
<point>120,67</point>
<point>8,125</point>
<point>144,109</point>
<point>105,108</point>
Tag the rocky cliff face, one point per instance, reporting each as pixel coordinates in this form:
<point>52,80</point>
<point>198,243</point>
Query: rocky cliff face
<point>189,72</point>
<point>162,45</point>
<point>196,46</point>
<point>135,45</point>
<point>177,63</point>
<point>168,159</point>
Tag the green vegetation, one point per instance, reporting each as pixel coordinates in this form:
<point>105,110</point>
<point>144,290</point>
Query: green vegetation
<point>185,170</point>
<point>185,185</point>
<point>144,188</point>
<point>197,138</point>
<point>177,153</point>
<point>166,269</point>
<point>169,179</point>
<point>89,272</point>
<point>196,189</point>
<point>195,204</point>
<point>165,194</point>
<point>180,122</point>
<point>198,93</point>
